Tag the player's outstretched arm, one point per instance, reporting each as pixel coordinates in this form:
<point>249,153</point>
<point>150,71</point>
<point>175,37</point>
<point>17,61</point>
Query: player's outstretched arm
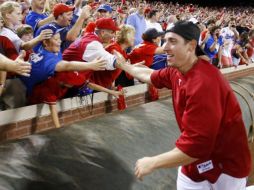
<point>138,71</point>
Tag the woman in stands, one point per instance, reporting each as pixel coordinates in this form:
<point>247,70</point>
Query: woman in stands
<point>239,51</point>
<point>148,48</point>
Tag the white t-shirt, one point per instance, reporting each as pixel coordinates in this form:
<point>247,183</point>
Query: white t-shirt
<point>228,39</point>
<point>96,50</point>
<point>155,25</point>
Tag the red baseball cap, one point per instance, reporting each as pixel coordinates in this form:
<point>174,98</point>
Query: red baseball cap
<point>90,27</point>
<point>106,23</point>
<point>119,10</point>
<point>61,8</point>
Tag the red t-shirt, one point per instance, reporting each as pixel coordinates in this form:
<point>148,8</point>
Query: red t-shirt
<point>210,121</point>
<point>54,89</point>
<point>48,92</point>
<point>143,52</point>
<point>106,78</point>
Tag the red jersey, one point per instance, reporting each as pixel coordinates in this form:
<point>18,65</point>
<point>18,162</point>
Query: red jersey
<point>106,78</point>
<point>76,50</point>
<point>210,121</point>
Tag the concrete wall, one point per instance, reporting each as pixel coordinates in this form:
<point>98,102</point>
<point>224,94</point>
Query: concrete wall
<point>20,122</point>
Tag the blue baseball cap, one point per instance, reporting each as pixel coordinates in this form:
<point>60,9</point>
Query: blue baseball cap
<point>52,27</point>
<point>105,7</point>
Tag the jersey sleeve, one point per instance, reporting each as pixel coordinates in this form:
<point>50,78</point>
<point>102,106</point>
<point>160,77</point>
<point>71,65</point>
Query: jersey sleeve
<point>161,78</point>
<point>95,50</point>
<point>200,121</point>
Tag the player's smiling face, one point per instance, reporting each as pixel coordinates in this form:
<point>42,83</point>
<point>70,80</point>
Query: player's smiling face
<point>178,50</point>
<point>53,44</point>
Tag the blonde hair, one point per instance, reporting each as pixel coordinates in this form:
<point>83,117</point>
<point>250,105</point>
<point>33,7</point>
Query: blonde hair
<point>48,4</point>
<point>7,8</point>
<point>122,35</point>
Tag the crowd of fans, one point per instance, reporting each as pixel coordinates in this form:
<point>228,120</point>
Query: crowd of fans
<point>70,44</point>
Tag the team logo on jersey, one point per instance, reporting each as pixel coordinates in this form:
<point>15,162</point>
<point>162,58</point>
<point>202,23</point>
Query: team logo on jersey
<point>36,57</point>
<point>205,166</point>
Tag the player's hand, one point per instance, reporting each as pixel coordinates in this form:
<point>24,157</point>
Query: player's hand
<point>45,34</point>
<point>19,66</point>
<point>98,64</point>
<point>144,167</point>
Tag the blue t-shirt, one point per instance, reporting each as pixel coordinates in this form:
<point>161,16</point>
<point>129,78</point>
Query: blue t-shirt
<point>209,43</point>
<point>33,18</point>
<point>43,67</point>
<point>62,31</point>
<point>139,23</point>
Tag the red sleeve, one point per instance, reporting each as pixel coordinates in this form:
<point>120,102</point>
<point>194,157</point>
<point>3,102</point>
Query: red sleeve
<point>201,120</point>
<point>161,78</point>
<point>7,48</point>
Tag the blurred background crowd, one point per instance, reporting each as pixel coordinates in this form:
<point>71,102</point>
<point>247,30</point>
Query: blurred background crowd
<point>70,43</point>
